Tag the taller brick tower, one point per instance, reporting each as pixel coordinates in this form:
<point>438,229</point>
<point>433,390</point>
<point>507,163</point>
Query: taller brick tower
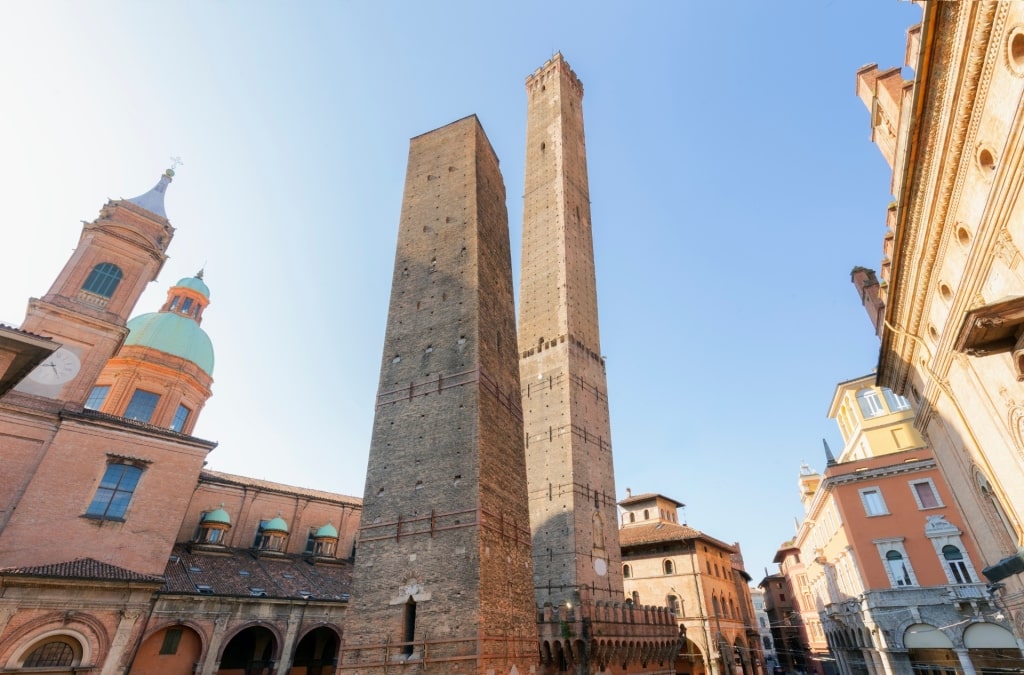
<point>442,579</point>
<point>565,395</point>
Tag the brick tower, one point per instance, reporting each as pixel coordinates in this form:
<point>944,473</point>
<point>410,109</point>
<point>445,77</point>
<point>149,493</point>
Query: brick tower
<point>573,512</point>
<point>87,307</point>
<point>442,579</point>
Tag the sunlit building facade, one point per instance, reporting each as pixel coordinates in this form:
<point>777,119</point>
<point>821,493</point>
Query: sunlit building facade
<point>883,568</point>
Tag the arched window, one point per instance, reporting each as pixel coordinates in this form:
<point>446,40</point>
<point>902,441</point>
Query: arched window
<point>897,568</point>
<point>632,517</point>
<point>647,514</point>
<point>870,403</point>
<point>673,603</point>
<point>669,567</point>
<point>55,652</point>
<point>955,559</point>
<point>626,572</point>
<point>714,605</point>
<point>895,401</point>
<point>115,492</point>
<point>103,279</point>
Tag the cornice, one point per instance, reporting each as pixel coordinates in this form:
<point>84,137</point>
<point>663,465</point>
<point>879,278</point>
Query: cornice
<point>947,92</point>
<point>988,46</point>
<point>880,472</point>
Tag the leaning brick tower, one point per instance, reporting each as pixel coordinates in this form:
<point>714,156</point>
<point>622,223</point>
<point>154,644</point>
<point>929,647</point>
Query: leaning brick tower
<point>573,512</point>
<point>442,580</point>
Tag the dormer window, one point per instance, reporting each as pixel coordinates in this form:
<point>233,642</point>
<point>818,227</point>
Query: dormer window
<point>213,527</point>
<point>271,535</point>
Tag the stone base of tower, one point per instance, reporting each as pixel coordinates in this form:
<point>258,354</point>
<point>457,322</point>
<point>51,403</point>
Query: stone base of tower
<point>483,655</point>
<point>608,639</point>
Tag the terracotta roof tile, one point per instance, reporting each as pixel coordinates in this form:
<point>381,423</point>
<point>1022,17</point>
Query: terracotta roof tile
<point>82,568</point>
<point>650,533</point>
<point>235,572</point>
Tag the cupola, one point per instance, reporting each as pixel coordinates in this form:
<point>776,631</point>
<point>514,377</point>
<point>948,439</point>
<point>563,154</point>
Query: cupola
<point>175,328</point>
<point>272,536</point>
<point>214,526</point>
<point>164,370</point>
<point>325,541</point>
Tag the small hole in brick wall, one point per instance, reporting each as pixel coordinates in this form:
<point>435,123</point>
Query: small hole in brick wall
<point>458,478</point>
<point>380,492</point>
<point>405,272</point>
<point>462,339</point>
<point>396,359</point>
<point>419,484</point>
<point>543,146</point>
<point>428,349</point>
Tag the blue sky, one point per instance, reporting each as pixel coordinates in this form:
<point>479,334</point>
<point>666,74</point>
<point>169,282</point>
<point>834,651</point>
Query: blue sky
<point>733,187</point>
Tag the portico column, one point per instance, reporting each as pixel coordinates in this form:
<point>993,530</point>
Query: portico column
<point>965,660</point>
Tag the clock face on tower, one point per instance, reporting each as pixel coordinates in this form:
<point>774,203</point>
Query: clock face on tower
<point>58,368</point>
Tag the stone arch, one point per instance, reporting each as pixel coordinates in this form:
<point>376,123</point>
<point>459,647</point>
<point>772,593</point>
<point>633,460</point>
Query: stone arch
<point>318,649</point>
<point>247,646</point>
<point>76,645</point>
<point>86,628</point>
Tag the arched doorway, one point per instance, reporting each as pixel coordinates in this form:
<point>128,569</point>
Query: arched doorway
<point>930,650</point>
<point>173,650</point>
<point>250,652</point>
<point>317,653</point>
<point>690,660</point>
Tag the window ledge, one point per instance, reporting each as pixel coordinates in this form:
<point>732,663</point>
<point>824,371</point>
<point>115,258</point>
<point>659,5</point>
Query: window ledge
<point>108,519</point>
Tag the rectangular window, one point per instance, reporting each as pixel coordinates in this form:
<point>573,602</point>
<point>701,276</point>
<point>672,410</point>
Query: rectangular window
<point>925,494</point>
<point>142,405</point>
<point>310,541</point>
<point>874,505</point>
<point>258,541</point>
<point>180,417</point>
<point>115,492</point>
<point>171,639</point>
<point>97,397</point>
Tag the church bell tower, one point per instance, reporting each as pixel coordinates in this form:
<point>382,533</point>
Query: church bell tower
<point>87,307</point>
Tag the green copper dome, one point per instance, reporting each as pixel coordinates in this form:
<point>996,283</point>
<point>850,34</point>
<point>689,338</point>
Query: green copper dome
<point>173,334</point>
<point>217,516</point>
<point>196,283</point>
<point>327,530</point>
<point>276,525</point>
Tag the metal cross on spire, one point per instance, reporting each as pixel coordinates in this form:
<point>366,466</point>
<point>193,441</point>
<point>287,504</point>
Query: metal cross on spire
<point>176,162</point>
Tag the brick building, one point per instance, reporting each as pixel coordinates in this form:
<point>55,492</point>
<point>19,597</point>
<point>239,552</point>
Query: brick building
<point>883,568</point>
<point>160,566</point>
<point>700,577</point>
<point>486,546</point>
